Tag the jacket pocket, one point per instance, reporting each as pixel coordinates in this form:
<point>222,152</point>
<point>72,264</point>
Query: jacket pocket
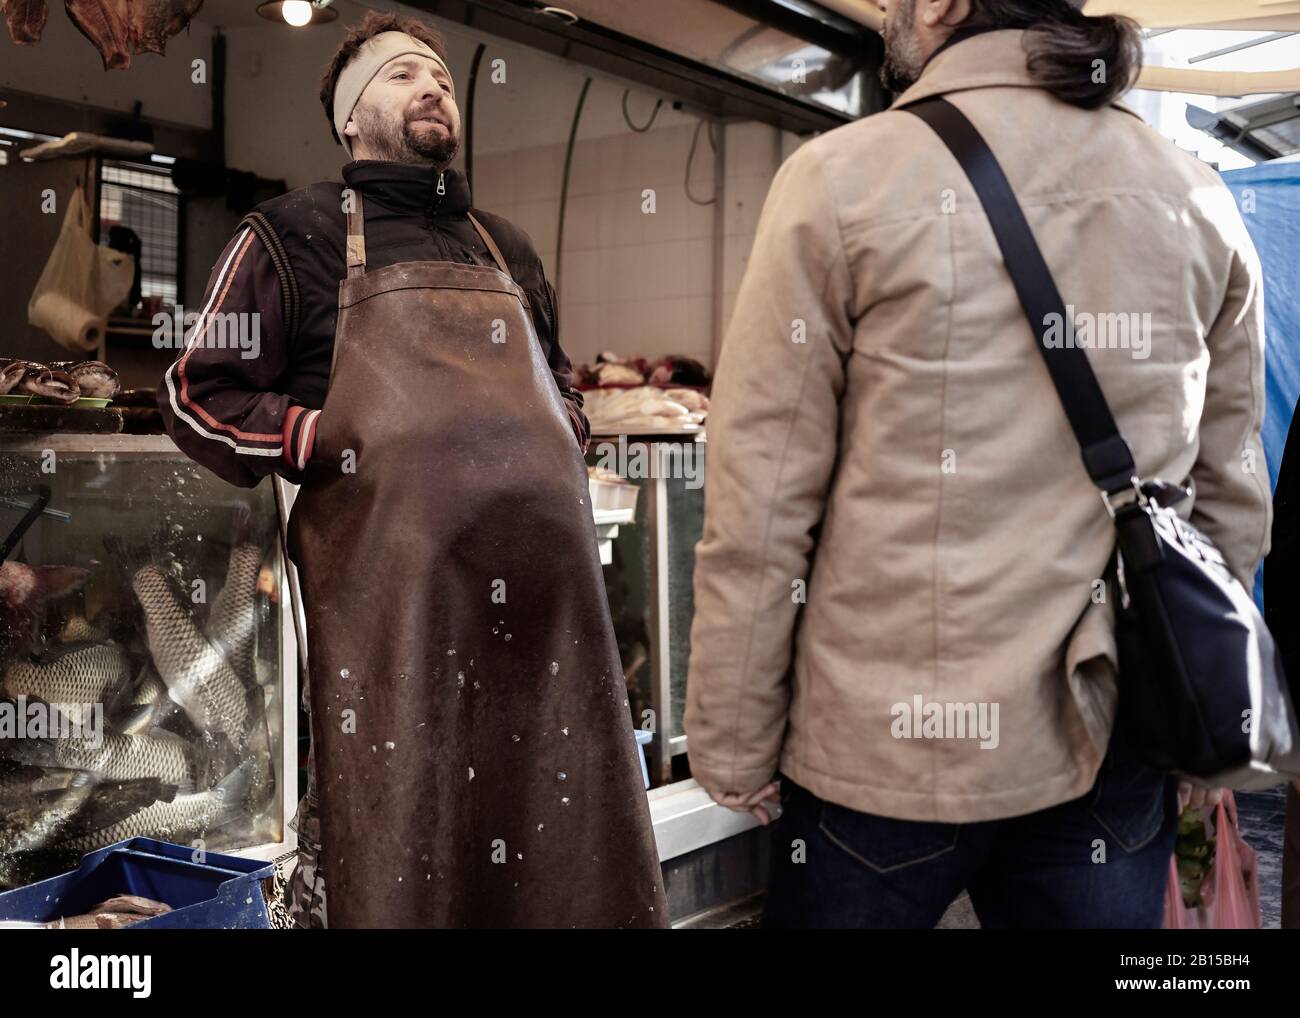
<point>1091,674</point>
<point>884,844</point>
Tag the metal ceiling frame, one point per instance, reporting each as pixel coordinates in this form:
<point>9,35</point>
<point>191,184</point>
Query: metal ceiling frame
<point>703,87</point>
<point>1237,127</point>
<point>1238,47</point>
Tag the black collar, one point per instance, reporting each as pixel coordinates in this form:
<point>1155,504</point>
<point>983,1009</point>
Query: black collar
<point>408,187</point>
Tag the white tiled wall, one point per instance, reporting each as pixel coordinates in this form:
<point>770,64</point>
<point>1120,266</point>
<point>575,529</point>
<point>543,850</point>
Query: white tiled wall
<point>632,281</point>
<point>753,154</point>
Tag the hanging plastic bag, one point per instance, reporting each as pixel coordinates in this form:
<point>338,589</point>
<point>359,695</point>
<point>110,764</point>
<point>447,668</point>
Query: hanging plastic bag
<point>81,283</point>
<point>1233,898</point>
<point>1228,899</point>
<point>1178,914</point>
<point>116,274</point>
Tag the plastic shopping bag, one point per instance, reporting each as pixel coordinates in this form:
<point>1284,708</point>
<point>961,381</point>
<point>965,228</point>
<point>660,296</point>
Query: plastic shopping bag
<point>1234,899</point>
<point>1229,897</point>
<point>82,282</point>
<point>1178,914</point>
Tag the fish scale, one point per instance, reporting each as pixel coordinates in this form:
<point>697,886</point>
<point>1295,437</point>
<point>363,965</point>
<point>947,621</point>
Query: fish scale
<point>80,629</point>
<point>150,689</point>
<point>185,817</point>
<point>196,675</point>
<point>125,757</point>
<point>82,675</point>
<point>233,620</point>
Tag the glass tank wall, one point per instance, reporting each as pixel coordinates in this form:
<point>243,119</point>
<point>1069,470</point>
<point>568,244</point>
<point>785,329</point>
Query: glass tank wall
<point>650,583</point>
<point>142,653</point>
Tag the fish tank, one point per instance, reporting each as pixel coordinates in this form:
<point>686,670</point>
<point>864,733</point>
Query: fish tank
<point>145,640</point>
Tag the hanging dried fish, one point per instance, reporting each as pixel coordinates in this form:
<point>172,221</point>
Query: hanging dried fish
<point>26,19</point>
<point>158,20</point>
<point>107,24</point>
<point>120,28</point>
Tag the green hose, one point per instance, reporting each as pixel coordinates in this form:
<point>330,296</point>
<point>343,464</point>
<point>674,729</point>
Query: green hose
<point>564,185</point>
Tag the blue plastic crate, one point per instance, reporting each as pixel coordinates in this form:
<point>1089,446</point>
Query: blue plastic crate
<point>223,892</point>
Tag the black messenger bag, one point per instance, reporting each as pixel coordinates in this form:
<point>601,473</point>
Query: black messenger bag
<point>1201,686</point>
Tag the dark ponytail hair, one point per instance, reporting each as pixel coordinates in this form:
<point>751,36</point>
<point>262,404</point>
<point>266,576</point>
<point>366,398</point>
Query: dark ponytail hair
<point>1085,61</point>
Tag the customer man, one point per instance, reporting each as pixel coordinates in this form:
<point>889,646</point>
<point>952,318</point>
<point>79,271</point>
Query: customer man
<point>887,453</point>
<point>472,743</point>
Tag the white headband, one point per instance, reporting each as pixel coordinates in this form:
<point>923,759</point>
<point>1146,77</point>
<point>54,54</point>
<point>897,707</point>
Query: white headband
<point>370,58</point>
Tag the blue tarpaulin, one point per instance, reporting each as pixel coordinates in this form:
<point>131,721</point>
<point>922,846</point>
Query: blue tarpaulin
<point>1268,197</point>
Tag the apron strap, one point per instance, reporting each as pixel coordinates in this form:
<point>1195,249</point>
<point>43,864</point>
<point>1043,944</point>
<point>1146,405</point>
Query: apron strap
<point>356,237</point>
<point>356,252</point>
<point>491,245</point>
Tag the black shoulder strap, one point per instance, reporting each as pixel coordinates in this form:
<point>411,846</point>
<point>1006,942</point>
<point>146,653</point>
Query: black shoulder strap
<point>1106,455</point>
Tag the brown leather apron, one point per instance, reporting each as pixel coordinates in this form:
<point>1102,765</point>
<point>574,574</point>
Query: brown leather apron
<point>474,758</point>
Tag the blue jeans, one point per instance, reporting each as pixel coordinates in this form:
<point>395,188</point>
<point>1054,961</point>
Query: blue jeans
<point>1101,860</point>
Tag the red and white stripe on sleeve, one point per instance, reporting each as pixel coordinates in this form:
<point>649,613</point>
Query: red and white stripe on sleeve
<point>218,398</point>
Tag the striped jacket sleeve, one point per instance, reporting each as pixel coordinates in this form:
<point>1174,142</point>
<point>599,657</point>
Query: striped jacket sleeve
<point>219,399</point>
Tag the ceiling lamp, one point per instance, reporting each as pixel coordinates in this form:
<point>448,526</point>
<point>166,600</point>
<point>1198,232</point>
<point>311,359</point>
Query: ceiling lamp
<point>298,13</point>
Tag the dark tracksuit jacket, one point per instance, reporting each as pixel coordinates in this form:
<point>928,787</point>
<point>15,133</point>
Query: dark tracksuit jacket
<point>246,416</point>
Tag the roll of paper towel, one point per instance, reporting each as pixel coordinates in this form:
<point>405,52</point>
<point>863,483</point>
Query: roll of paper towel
<point>68,323</point>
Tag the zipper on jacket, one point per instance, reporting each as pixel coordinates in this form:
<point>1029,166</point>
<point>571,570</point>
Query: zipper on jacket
<point>431,213</point>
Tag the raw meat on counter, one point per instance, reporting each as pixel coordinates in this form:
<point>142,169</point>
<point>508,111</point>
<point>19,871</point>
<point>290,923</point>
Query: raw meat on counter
<point>610,369</point>
<point>644,408</point>
<point>617,374</point>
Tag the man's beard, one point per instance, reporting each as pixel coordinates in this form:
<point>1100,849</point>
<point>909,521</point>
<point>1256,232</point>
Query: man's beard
<point>903,62</point>
<point>399,141</point>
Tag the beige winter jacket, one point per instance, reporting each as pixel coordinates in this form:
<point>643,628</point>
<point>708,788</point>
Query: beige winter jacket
<point>879,376</point>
